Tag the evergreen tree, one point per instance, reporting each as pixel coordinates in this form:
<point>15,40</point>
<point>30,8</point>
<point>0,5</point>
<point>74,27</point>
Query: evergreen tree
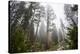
<point>72,14</point>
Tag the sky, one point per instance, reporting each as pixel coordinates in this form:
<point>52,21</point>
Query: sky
<point>59,12</point>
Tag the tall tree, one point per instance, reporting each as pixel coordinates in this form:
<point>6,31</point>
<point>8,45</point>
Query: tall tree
<point>50,17</point>
<point>16,10</point>
<point>71,12</point>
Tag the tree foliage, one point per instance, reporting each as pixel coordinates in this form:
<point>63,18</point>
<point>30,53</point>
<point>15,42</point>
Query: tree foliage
<point>72,34</point>
<point>27,27</point>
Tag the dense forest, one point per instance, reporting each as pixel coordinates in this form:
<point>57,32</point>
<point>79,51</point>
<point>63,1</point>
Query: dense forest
<point>35,26</point>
